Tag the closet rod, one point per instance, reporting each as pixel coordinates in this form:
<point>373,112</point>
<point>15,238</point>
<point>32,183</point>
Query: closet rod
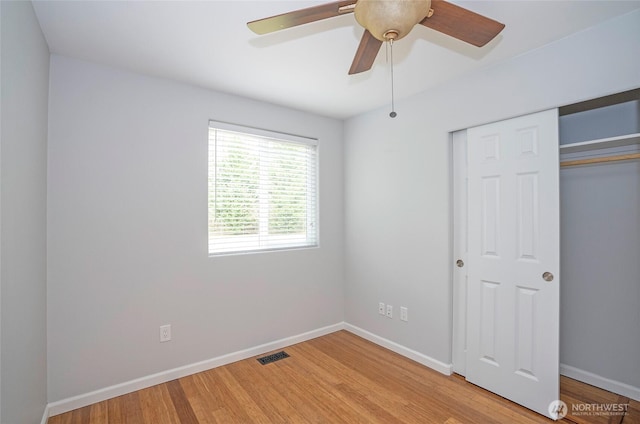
<point>577,162</point>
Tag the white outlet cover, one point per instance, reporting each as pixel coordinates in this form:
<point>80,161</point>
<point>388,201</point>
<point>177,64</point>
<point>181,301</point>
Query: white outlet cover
<point>381,308</point>
<point>165,333</point>
<point>389,311</point>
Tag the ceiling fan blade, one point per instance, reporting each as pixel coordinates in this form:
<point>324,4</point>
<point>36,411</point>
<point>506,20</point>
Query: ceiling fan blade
<point>366,54</point>
<point>302,16</point>
<point>462,23</point>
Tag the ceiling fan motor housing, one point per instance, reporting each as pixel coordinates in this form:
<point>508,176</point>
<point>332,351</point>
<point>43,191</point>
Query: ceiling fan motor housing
<point>386,17</point>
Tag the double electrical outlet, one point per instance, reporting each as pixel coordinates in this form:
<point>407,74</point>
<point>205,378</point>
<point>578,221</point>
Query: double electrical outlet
<point>388,311</point>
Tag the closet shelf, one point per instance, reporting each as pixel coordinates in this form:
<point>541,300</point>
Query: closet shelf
<point>602,143</point>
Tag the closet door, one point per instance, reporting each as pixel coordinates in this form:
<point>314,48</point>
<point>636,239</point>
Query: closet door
<point>513,257</point>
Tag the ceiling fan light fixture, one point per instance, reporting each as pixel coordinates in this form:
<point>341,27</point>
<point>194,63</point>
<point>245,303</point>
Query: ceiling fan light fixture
<point>382,17</point>
<point>387,21</point>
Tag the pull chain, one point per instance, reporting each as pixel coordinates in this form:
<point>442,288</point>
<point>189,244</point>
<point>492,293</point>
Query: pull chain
<point>386,52</point>
<point>393,113</point>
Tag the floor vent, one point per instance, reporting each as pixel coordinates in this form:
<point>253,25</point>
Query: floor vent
<point>273,357</point>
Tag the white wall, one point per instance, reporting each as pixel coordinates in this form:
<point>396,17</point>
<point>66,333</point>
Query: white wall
<point>398,174</point>
<point>127,232</point>
<point>25,85</point>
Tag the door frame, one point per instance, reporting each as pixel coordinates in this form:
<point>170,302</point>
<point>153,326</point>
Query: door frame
<point>459,232</point>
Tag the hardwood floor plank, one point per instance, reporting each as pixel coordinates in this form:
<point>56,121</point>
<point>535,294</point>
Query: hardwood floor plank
<point>371,385</point>
<point>181,403</point>
<point>300,388</point>
<point>474,404</point>
<point>238,402</point>
<point>128,409</point>
<point>271,400</point>
<point>337,378</point>
<point>203,403</point>
<point>323,387</point>
<point>81,415</point>
<point>632,415</point>
<point>116,410</point>
<point>350,385</point>
<point>98,413</point>
<point>156,405</point>
<point>60,419</point>
<point>580,396</point>
<point>617,416</point>
<point>328,402</point>
<point>406,379</point>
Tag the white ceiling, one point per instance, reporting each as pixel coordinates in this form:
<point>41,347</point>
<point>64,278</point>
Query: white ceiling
<point>207,43</point>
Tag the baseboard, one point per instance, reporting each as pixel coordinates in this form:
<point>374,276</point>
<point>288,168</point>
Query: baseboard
<point>599,381</point>
<point>45,415</point>
<point>83,400</point>
<point>425,360</point>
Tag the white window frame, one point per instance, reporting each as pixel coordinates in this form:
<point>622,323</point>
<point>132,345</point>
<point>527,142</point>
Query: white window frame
<point>261,242</point>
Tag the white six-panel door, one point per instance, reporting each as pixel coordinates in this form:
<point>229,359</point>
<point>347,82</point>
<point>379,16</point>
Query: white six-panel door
<point>513,259</point>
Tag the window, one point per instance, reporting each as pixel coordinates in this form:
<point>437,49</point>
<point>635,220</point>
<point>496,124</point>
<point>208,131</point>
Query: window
<point>262,190</point>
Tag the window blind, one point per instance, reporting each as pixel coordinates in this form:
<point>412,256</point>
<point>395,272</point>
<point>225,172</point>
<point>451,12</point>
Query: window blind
<point>262,190</point>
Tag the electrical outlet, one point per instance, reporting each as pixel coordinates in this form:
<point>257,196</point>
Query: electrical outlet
<point>165,333</point>
<point>404,313</point>
<point>389,311</point>
<point>381,308</point>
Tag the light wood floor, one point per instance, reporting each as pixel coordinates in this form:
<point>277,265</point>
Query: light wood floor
<point>338,378</point>
<point>573,392</point>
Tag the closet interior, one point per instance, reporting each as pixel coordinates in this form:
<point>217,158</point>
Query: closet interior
<point>600,242</point>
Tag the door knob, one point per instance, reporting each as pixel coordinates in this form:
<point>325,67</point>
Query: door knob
<point>547,276</point>
<point>459,263</point>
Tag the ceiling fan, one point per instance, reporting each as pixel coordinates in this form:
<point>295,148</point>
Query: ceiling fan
<point>390,20</point>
